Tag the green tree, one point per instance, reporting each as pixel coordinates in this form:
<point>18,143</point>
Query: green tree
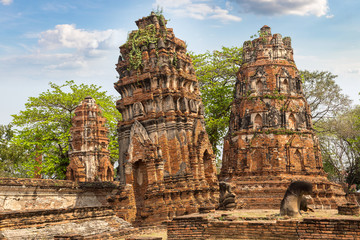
<point>333,120</point>
<point>44,125</point>
<point>216,73</point>
<point>340,145</point>
<point>11,154</point>
<point>323,94</point>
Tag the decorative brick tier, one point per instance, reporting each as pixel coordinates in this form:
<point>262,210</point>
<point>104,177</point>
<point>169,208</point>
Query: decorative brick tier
<point>271,141</point>
<point>165,153</point>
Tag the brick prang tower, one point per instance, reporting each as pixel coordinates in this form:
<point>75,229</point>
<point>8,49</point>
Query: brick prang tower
<point>165,153</point>
<point>89,154</point>
<point>271,141</point>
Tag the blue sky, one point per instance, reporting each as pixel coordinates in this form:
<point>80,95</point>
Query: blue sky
<point>52,40</point>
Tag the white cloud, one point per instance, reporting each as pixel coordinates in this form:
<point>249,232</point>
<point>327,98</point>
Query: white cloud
<point>284,7</point>
<point>81,46</point>
<point>68,36</point>
<point>197,9</point>
<point>329,16</point>
<point>6,2</point>
<point>67,48</point>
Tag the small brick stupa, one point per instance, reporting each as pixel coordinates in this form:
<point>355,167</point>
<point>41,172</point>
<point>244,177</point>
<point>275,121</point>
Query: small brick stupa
<point>271,141</point>
<point>89,154</point>
<point>165,153</point>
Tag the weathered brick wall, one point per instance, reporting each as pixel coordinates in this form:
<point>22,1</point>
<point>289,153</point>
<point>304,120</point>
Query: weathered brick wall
<point>36,194</point>
<point>126,233</point>
<point>349,209</point>
<point>45,224</point>
<point>198,227</point>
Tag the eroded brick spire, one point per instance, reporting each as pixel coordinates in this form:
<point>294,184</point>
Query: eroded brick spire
<point>271,141</point>
<point>165,152</point>
<point>89,154</point>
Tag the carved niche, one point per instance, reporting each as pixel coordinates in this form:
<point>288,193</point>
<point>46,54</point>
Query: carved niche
<point>258,81</point>
<point>138,109</point>
<point>168,103</point>
<point>273,118</point>
<point>193,106</point>
<point>184,106</point>
<point>283,81</point>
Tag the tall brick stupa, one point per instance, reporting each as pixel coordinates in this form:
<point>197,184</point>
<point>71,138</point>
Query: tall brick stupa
<point>165,153</point>
<point>89,154</point>
<point>271,141</point>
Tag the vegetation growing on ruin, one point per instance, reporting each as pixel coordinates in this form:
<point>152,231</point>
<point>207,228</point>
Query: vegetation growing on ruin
<point>144,37</point>
<point>137,39</point>
<point>282,131</point>
<point>275,95</point>
<point>260,35</point>
<point>287,38</point>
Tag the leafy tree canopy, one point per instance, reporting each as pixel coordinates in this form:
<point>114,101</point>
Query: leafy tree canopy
<point>335,123</point>
<point>44,125</point>
<point>11,155</point>
<point>216,73</point>
<point>340,145</point>
<point>323,94</point>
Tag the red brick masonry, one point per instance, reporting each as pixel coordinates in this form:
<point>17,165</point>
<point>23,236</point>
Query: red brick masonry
<point>199,227</point>
<point>271,141</point>
<point>164,151</point>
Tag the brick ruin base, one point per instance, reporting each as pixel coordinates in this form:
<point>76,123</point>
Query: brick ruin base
<point>200,227</point>
<point>266,192</point>
<point>45,224</point>
<point>25,194</point>
<point>349,209</point>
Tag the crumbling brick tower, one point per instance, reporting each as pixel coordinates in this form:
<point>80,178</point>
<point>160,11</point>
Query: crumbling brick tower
<point>89,154</point>
<point>271,140</point>
<point>164,152</point>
